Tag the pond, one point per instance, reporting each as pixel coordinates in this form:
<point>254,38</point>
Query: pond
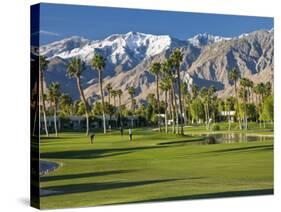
<point>220,138</point>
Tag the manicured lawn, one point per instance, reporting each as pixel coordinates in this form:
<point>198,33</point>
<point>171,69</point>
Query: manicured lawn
<point>154,167</point>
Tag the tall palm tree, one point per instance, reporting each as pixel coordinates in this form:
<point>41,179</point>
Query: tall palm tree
<point>114,94</point>
<point>166,69</point>
<point>131,91</point>
<point>177,58</point>
<point>75,69</point>
<point>109,90</point>
<point>195,91</point>
<point>184,98</point>
<point>228,105</point>
<point>212,101</point>
<point>165,86</point>
<point>54,94</point>
<point>234,76</point>
<point>155,69</point>
<point>205,99</point>
<point>98,63</point>
<point>120,93</point>
<point>250,85</point>
<point>259,90</point>
<point>43,64</point>
<point>244,84</point>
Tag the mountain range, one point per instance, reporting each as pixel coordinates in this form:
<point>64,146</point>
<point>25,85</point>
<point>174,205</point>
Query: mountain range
<point>206,60</point>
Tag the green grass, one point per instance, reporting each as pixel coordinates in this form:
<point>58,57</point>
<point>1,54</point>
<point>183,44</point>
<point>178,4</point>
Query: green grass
<point>154,167</point>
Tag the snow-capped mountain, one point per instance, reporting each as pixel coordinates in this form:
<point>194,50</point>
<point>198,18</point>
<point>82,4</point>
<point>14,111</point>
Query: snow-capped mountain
<point>64,47</point>
<point>206,59</point>
<point>125,50</point>
<point>206,39</point>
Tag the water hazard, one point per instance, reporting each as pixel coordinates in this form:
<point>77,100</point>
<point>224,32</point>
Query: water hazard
<point>233,138</point>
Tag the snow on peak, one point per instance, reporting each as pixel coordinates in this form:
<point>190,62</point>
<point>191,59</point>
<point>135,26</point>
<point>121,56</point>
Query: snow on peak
<point>63,47</point>
<point>204,39</point>
<point>116,47</point>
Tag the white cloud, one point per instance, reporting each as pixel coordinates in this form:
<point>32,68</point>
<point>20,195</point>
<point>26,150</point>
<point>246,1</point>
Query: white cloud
<point>44,32</point>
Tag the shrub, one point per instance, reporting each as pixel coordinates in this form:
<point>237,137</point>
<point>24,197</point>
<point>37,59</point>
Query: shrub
<point>215,127</point>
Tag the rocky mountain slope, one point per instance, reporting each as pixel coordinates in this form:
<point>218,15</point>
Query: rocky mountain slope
<point>207,59</point>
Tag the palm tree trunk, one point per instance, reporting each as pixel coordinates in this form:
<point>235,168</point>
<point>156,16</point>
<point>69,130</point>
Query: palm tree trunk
<point>109,125</point>
<point>184,111</point>
<point>260,111</point>
<point>82,96</point>
<point>237,105</point>
<point>120,113</point>
<point>158,102</point>
<point>206,116</point>
<point>102,101</point>
<point>115,111</point>
<point>170,105</point>
<point>229,124</point>
<point>43,102</point>
<point>180,100</point>
<point>173,109</point>
<point>245,110</point>
<point>132,107</point>
<point>176,108</point>
<point>55,118</point>
<point>166,118</point>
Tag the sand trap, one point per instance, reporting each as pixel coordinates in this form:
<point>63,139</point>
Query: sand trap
<point>45,167</point>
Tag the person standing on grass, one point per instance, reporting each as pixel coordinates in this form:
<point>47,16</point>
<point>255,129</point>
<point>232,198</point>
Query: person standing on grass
<point>92,137</point>
<point>130,134</point>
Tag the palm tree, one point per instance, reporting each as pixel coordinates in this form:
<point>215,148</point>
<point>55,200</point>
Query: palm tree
<point>177,58</point>
<point>120,93</point>
<point>205,99</point>
<point>195,91</point>
<point>114,94</point>
<point>43,66</point>
<point>75,69</point>
<point>155,69</point>
<point>109,90</point>
<point>244,84</point>
<point>228,106</point>
<point>184,96</point>
<point>165,86</point>
<point>212,101</point>
<point>260,90</point>
<point>54,94</point>
<point>166,69</point>
<point>233,76</point>
<point>250,86</point>
<point>131,92</point>
<point>98,63</point>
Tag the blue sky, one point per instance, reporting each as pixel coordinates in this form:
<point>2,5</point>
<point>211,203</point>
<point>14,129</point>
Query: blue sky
<point>59,21</point>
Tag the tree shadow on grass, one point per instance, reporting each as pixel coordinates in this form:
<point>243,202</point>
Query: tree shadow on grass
<point>94,153</point>
<point>249,148</point>
<point>88,187</point>
<point>83,175</point>
<point>181,142</point>
<point>209,195</point>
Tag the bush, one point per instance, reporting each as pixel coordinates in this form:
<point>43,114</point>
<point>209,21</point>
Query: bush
<point>215,127</point>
